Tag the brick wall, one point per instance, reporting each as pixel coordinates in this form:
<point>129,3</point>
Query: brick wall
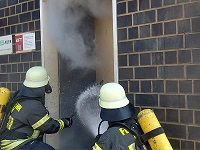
<point>159,63</point>
<point>19,16</point>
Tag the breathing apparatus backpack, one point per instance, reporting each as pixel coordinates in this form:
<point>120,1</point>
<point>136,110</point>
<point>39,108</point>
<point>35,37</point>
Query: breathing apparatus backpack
<point>153,131</point>
<point>4,100</point>
<point>134,129</point>
<point>147,129</point>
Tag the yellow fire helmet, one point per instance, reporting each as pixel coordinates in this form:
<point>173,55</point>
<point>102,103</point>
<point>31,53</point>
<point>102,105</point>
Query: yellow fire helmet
<point>114,104</point>
<point>36,77</point>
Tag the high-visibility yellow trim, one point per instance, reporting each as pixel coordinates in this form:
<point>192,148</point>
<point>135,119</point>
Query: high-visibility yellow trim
<point>17,107</point>
<point>41,122</point>
<point>11,144</point>
<point>96,147</point>
<point>131,147</point>
<point>35,134</point>
<point>10,122</point>
<point>123,131</point>
<point>5,142</point>
<point>62,124</point>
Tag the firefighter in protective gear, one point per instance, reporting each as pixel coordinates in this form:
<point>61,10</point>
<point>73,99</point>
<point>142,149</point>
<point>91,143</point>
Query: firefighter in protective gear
<point>29,119</point>
<point>118,111</point>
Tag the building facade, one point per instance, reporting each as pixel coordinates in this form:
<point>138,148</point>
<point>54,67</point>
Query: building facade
<point>17,17</point>
<point>159,62</point>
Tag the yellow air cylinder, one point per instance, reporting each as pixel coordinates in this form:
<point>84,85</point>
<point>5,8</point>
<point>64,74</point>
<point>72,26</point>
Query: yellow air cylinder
<point>4,96</point>
<point>148,122</point>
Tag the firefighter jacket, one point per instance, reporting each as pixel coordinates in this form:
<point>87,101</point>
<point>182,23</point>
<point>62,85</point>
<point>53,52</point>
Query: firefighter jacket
<point>116,138</point>
<point>31,120</point>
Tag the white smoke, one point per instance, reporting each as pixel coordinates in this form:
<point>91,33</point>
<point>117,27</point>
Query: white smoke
<point>68,22</point>
<point>88,109</point>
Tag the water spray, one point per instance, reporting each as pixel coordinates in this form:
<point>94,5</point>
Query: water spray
<point>88,109</point>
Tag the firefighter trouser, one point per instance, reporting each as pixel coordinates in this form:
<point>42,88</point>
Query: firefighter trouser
<point>36,145</point>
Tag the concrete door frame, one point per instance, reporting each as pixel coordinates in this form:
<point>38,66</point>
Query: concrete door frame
<point>50,62</point>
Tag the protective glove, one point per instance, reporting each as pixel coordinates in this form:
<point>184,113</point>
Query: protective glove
<point>68,122</point>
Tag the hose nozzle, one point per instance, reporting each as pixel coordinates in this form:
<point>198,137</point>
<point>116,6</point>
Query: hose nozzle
<point>73,114</point>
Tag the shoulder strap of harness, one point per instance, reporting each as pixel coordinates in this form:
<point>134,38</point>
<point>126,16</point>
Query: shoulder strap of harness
<point>141,139</point>
<point>6,112</point>
<point>133,130</point>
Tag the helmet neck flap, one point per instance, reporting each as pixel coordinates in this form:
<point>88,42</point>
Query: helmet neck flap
<point>117,114</point>
<point>31,92</point>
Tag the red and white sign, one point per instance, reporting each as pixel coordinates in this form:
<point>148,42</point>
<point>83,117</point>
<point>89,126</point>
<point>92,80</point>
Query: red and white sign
<point>19,43</point>
<point>25,41</point>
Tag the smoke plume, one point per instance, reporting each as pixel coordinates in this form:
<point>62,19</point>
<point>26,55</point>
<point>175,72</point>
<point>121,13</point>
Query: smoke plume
<point>71,26</point>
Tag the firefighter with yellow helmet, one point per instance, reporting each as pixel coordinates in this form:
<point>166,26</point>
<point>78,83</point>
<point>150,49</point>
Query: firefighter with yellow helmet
<point>29,119</point>
<point>118,111</point>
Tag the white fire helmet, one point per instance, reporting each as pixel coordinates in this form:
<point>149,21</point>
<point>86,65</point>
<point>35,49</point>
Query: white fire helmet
<point>112,95</point>
<point>36,77</point>
<point>114,104</point>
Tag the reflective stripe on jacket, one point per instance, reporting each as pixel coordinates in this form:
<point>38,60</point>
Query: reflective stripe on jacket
<point>11,144</point>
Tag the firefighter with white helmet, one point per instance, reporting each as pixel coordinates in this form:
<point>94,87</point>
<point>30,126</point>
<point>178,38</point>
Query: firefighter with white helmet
<point>29,119</point>
<point>119,112</point>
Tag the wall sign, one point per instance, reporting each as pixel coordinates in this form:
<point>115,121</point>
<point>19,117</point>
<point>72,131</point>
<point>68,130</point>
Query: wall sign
<point>18,42</point>
<point>25,41</point>
<point>6,45</point>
